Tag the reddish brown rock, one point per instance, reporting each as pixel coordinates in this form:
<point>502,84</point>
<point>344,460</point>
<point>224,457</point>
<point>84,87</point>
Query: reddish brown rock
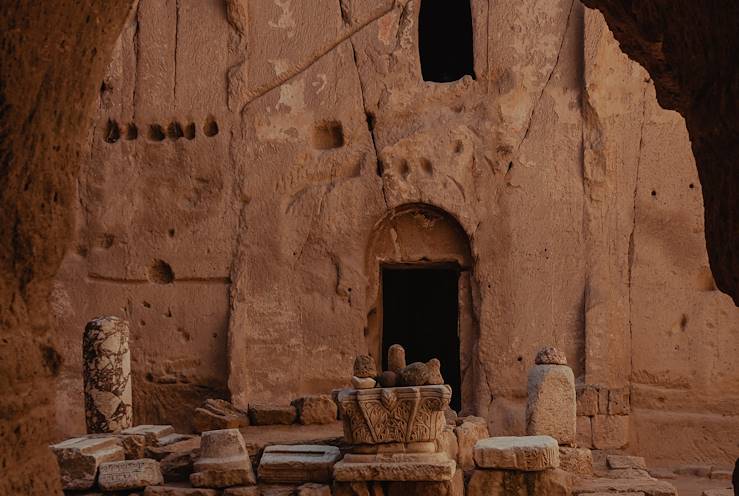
<point>218,414</point>
<point>272,414</point>
<point>550,356</point>
<point>415,374</point>
<point>316,409</point>
<point>364,366</point>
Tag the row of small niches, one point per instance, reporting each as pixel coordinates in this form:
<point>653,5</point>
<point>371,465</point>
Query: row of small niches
<point>157,132</point>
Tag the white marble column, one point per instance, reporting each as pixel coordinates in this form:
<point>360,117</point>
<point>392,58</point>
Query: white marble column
<point>107,375</point>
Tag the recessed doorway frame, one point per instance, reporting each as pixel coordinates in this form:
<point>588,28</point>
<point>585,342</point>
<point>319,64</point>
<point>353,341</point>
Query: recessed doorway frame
<point>387,247</point>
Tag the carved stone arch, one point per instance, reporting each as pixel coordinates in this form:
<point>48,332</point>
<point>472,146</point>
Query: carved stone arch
<point>415,235</point>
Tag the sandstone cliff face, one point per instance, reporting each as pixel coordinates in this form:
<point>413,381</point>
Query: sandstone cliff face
<point>250,168</point>
<point>44,110</point>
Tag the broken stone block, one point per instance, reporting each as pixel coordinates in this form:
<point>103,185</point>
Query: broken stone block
<point>395,358</point>
<point>415,374</point>
<point>550,356</point>
<point>178,465</point>
<point>272,490</point>
<point>364,367</point>
<point>447,443</point>
<point>153,434</point>
<point>610,431</point>
<point>625,461</point>
<point>180,491</point>
<point>107,375</point>
<point>272,414</point>
<point>247,491</point>
<point>453,487</point>
<point>584,434</point>
<point>363,382</point>
<point>526,453</point>
<point>646,485</point>
<point>550,482</point>
<point>434,368</point>
<point>224,461</point>
<point>468,433</point>
<point>79,459</point>
<point>186,445</point>
<point>298,463</point>
<point>313,489</point>
<point>133,444</point>
<point>129,474</point>
<point>718,474</point>
<point>316,409</point>
<point>719,492</point>
<point>395,467</point>
<point>551,404</point>
<point>218,414</point>
<point>619,401</point>
<point>587,400</point>
<point>576,460</point>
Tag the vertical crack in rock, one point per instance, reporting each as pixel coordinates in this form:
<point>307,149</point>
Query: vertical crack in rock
<point>176,49</point>
<point>369,116</point>
<point>549,78</point>
<point>632,254</point>
<point>135,65</point>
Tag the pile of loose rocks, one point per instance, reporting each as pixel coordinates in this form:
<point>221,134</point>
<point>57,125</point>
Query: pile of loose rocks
<point>398,373</point>
<point>306,410</point>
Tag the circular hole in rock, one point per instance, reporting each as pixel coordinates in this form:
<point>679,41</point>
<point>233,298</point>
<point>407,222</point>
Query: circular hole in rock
<point>211,127</point>
<point>160,272</point>
<point>156,133</point>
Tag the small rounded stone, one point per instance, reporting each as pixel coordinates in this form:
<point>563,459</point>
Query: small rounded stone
<point>388,379</point>
<point>395,358</point>
<point>415,374</point>
<point>550,356</point>
<point>363,382</point>
<point>435,377</point>
<point>364,366</point>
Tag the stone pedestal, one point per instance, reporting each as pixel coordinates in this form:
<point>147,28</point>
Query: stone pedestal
<point>394,433</point>
<point>551,405</point>
<point>298,463</point>
<point>107,375</point>
<point>224,461</point>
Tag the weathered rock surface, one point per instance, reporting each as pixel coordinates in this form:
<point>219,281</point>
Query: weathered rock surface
<point>79,459</point>
<point>186,445</point>
<point>550,356</point>
<point>396,358</point>
<point>576,460</point>
<point>316,409</point>
<point>364,366</point>
<point>250,491</point>
<point>298,463</point>
<point>552,482</point>
<point>224,461</point>
<point>129,474</point>
<point>363,382</point>
<point>398,467</point>
<point>626,461</point>
<point>415,374</point>
<point>179,491</point>
<point>434,368</point>
<point>647,486</point>
<point>551,407</point>
<point>388,379</point>
<point>272,414</point>
<point>528,453</point>
<point>218,414</point>
<point>453,487</point>
<point>313,489</point>
<point>468,433</point>
<point>153,434</point>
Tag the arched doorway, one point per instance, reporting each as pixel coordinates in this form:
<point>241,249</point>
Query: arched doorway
<point>420,296</point>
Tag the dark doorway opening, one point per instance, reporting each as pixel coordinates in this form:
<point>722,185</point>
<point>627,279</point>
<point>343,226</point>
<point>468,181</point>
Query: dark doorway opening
<point>445,40</point>
<point>420,311</point>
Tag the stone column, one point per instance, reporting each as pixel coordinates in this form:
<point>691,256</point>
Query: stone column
<point>551,405</point>
<point>107,375</point>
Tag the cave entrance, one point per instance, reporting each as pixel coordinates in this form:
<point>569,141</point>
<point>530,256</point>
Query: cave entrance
<point>420,311</point>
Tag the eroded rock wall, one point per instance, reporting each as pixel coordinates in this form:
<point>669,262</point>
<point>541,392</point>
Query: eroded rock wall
<point>241,248</point>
